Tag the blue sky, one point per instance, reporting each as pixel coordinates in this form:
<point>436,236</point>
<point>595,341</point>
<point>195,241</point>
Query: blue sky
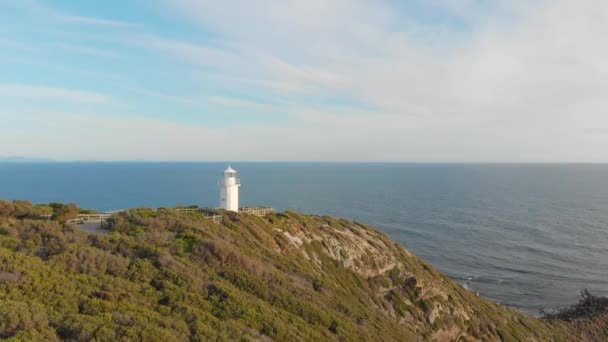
<point>346,80</point>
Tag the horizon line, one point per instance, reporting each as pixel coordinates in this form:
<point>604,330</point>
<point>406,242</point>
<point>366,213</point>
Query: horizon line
<point>54,161</point>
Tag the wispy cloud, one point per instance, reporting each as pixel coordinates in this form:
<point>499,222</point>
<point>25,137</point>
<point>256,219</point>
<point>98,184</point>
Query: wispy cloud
<point>86,50</point>
<point>74,19</point>
<point>515,66</point>
<point>48,12</point>
<point>168,97</point>
<point>14,44</point>
<point>425,80</point>
<point>231,102</point>
<point>36,92</point>
<point>191,52</point>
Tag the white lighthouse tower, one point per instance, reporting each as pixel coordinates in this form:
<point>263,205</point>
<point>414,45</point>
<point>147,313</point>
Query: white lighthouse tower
<point>229,190</point>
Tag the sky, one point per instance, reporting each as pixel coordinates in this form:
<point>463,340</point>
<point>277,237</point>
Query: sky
<point>314,80</point>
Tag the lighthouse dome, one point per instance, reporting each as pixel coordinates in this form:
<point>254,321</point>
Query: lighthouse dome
<point>230,170</point>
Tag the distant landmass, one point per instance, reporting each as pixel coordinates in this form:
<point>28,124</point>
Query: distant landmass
<point>177,275</point>
<point>19,159</point>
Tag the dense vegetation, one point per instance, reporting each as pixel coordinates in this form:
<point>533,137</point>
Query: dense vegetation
<point>588,306</point>
<point>589,315</point>
<point>164,275</point>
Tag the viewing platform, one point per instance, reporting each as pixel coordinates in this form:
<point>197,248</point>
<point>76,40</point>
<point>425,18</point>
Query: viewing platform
<point>84,218</point>
<point>257,211</point>
<point>205,212</point>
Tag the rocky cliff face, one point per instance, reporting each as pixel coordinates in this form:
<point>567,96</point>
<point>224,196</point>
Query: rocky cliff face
<point>407,290</point>
<point>168,275</point>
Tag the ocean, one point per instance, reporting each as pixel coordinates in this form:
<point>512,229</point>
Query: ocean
<point>528,236</point>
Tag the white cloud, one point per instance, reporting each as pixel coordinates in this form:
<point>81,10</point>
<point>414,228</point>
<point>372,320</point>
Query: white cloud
<point>193,53</point>
<point>86,50</point>
<point>231,102</point>
<point>47,12</point>
<point>167,97</point>
<point>93,21</point>
<point>14,44</point>
<point>523,81</point>
<point>30,92</point>
<point>93,136</point>
<point>316,135</point>
<point>365,80</point>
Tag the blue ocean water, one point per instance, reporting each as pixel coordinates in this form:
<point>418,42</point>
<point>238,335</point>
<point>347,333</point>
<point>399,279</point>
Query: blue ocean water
<point>528,236</point>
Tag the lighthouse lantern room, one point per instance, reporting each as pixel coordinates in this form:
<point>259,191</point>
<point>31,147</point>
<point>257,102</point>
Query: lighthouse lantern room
<point>229,190</point>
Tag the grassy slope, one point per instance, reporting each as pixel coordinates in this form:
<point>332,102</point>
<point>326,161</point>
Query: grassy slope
<point>164,275</point>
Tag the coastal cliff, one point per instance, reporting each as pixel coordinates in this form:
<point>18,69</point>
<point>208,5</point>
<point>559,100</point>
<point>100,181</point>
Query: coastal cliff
<point>161,275</point>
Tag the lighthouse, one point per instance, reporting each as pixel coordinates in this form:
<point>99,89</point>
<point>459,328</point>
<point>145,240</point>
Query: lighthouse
<point>229,190</point>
